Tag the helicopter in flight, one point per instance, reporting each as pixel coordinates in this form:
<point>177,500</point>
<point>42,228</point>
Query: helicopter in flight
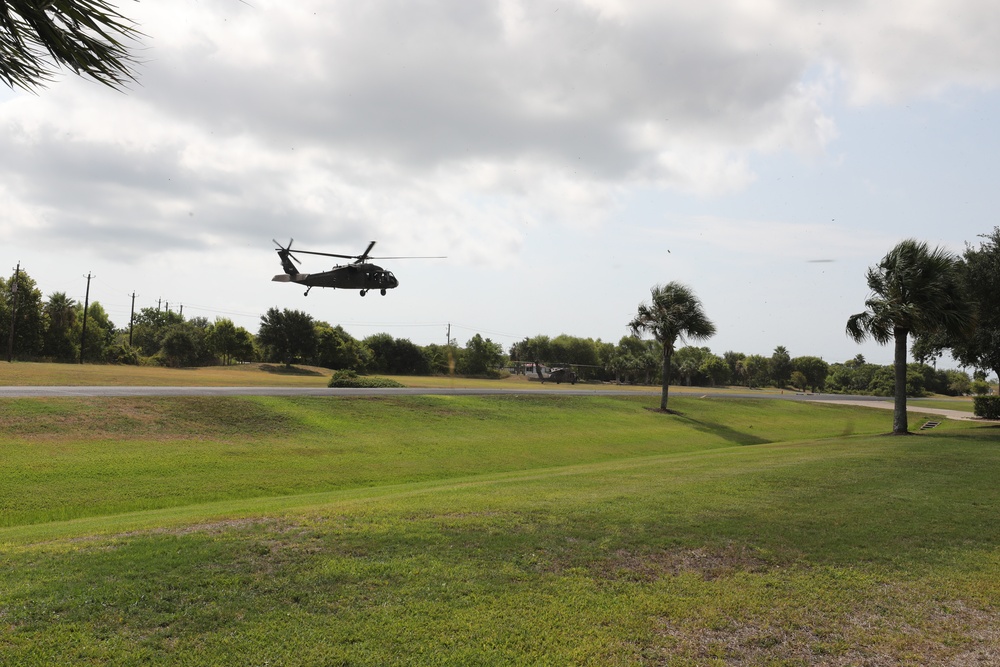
<point>360,274</point>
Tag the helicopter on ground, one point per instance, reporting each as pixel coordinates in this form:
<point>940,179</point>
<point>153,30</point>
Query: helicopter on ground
<point>360,274</point>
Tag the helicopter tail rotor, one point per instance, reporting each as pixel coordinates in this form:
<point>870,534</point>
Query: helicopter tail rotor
<point>285,253</point>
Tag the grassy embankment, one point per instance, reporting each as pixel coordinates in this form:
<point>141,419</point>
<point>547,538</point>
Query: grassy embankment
<point>254,375</point>
<point>492,530</point>
<point>245,375</point>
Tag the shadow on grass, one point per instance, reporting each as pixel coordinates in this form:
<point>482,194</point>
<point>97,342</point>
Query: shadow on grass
<point>288,370</point>
<point>979,433</point>
<point>725,432</point>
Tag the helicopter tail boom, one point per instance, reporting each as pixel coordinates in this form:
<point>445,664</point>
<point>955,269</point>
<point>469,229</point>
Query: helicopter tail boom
<point>285,278</point>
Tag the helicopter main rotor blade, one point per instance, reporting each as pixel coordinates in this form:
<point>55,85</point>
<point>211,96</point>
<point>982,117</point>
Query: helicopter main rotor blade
<point>325,254</point>
<point>413,257</point>
<point>358,259</point>
<point>363,256</point>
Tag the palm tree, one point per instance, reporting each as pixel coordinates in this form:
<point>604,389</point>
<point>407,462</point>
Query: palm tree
<point>60,314</point>
<point>87,36</point>
<point>915,290</point>
<point>673,312</point>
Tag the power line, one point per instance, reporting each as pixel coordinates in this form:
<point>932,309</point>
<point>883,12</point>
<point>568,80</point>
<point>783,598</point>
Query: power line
<point>213,310</point>
<point>481,330</point>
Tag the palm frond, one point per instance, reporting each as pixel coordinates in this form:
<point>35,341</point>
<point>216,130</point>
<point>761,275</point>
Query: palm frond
<point>915,289</point>
<point>673,312</point>
<point>88,36</point>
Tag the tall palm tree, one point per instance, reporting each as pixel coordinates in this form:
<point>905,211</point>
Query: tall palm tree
<point>673,312</point>
<point>915,290</point>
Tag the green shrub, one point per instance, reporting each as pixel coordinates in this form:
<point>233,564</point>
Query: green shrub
<point>350,379</point>
<point>124,354</point>
<point>980,387</point>
<point>987,407</point>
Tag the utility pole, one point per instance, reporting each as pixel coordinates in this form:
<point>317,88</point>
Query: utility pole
<point>86,307</point>
<point>451,355</point>
<point>13,313</point>
<point>131,320</point>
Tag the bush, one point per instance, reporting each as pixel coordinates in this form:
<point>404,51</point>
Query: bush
<point>124,354</point>
<point>350,379</point>
<point>987,407</point>
<point>980,387</point>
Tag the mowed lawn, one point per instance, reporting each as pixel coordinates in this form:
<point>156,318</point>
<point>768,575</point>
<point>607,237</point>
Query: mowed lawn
<point>497,530</point>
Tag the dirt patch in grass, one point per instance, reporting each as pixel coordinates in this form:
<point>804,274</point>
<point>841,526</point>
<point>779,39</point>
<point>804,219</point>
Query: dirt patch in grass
<point>707,563</point>
<point>950,634</point>
<point>139,418</point>
<point>293,370</point>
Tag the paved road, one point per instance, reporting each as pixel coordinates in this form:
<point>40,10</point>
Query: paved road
<point>914,406</point>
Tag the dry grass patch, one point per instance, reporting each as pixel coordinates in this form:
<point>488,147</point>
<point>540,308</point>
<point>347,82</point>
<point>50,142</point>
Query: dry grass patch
<point>707,563</point>
<point>28,374</point>
<point>154,418</point>
<point>892,627</point>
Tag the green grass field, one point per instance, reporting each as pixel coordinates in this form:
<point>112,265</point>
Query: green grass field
<point>494,530</point>
<point>963,403</point>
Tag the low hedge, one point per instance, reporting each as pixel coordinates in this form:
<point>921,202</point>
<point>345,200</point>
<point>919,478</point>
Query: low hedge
<point>351,380</point>
<point>987,407</point>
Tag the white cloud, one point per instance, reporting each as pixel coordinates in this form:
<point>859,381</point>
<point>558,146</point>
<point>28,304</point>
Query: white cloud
<point>457,124</point>
<point>767,240</point>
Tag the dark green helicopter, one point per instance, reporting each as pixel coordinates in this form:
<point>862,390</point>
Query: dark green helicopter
<point>360,274</point>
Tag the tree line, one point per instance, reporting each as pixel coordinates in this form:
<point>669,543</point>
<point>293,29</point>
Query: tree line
<point>33,328</point>
<point>52,329</point>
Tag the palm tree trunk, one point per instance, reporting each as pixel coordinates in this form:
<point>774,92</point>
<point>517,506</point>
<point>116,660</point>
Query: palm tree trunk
<point>899,423</point>
<point>667,352</point>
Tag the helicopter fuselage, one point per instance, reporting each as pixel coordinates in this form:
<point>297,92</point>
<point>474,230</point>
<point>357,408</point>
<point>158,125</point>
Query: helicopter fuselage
<point>360,276</point>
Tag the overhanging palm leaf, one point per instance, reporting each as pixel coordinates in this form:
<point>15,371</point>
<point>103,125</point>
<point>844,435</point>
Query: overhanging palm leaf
<point>88,36</point>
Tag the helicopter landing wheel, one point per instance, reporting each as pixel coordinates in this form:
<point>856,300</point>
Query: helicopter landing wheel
<point>363,292</point>
<point>383,292</point>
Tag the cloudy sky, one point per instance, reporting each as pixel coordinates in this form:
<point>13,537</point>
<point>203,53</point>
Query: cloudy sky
<point>565,156</point>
